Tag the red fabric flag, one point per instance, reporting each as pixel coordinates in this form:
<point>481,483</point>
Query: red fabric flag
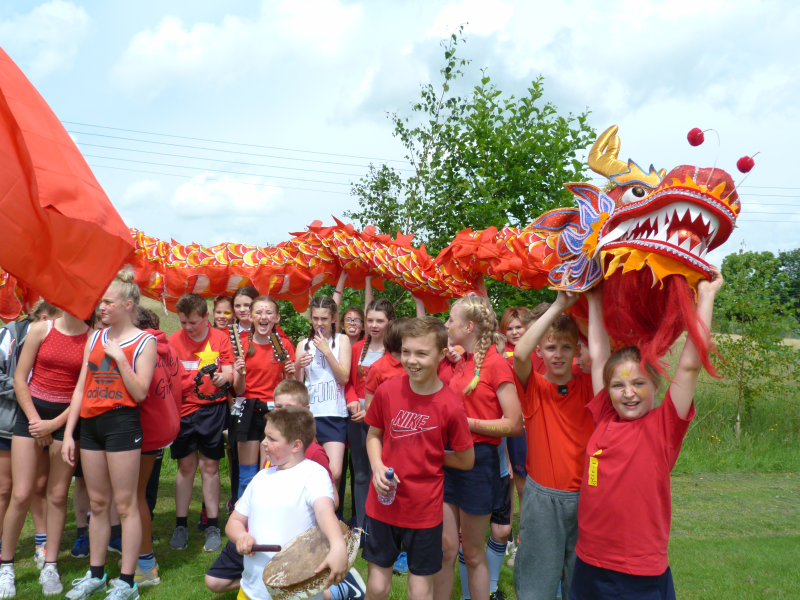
<point>59,232</point>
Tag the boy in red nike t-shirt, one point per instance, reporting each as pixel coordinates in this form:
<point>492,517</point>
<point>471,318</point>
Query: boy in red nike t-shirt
<point>203,416</point>
<point>417,426</point>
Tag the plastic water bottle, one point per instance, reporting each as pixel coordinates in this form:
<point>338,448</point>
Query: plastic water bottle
<point>389,498</point>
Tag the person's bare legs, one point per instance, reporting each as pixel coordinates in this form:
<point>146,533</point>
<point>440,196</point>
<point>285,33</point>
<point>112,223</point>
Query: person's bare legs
<point>25,454</point>
<point>5,485</point>
<point>184,484</point>
<point>57,493</point>
<point>379,582</point>
<point>220,586</point>
<point>123,468</point>
<point>420,587</point>
<point>80,502</point>
<point>145,469</point>
<point>473,534</point>
<point>98,484</point>
<point>444,580</point>
<point>209,476</point>
<point>38,505</point>
<point>335,452</point>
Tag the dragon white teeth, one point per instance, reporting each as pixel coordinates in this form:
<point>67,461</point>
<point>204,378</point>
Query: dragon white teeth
<point>686,244</point>
<point>694,214</point>
<point>703,253</point>
<point>674,239</point>
<point>706,220</point>
<point>661,235</point>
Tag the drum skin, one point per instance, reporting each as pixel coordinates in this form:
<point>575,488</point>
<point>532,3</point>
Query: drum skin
<point>290,574</point>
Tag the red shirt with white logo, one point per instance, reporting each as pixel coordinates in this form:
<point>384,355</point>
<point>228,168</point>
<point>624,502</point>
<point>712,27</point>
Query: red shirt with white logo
<point>625,508</point>
<point>214,349</point>
<point>416,430</point>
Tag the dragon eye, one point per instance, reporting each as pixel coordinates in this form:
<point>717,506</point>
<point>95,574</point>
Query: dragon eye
<point>635,193</point>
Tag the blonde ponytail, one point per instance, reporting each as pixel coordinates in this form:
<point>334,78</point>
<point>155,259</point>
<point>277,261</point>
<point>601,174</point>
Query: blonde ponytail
<point>480,312</point>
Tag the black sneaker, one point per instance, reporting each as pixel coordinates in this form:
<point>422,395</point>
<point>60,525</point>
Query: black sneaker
<point>497,595</point>
<point>354,585</point>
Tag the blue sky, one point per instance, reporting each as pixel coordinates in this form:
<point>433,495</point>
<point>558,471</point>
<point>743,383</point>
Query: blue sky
<point>313,79</point>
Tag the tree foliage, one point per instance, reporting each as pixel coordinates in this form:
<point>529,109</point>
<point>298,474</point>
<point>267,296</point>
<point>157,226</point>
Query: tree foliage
<point>476,161</point>
<point>790,266</point>
<point>751,313</point>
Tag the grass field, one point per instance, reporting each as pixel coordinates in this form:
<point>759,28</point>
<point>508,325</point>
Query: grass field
<point>736,511</point>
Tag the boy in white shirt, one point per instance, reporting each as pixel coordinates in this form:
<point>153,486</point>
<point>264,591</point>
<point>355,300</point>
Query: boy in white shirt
<point>305,500</point>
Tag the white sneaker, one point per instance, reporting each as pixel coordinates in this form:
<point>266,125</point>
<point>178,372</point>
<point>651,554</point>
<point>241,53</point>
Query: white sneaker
<point>122,591</point>
<point>39,555</point>
<point>86,586</point>
<point>50,580</point>
<point>7,587</point>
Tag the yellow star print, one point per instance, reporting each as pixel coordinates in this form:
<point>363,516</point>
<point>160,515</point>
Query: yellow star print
<point>207,356</point>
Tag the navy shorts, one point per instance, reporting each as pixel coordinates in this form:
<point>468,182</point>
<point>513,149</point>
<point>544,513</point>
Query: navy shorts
<point>518,454</point>
<point>5,443</point>
<point>229,564</point>
<point>47,412</point>
<point>331,429</point>
<point>595,583</point>
<point>501,515</point>
<point>116,430</point>
<point>384,543</point>
<point>477,491</point>
<point>202,431</point>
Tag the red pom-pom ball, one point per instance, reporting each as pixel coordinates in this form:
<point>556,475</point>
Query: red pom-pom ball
<point>696,137</point>
<point>745,164</point>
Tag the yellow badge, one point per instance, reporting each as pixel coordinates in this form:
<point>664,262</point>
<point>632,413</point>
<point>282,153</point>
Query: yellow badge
<point>593,468</point>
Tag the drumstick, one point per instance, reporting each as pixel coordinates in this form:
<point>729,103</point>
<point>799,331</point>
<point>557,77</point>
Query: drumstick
<point>266,548</point>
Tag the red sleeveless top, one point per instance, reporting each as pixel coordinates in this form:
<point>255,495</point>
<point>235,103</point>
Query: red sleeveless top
<point>104,388</point>
<point>58,365</point>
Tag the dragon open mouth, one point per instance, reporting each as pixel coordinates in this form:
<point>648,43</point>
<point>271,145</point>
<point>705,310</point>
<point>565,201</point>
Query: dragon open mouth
<point>679,220</point>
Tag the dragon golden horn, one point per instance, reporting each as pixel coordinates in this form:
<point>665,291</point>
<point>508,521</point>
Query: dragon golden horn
<point>603,155</point>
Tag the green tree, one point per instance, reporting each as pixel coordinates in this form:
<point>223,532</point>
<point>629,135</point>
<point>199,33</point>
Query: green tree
<point>475,161</point>
<point>756,359</point>
<point>790,265</point>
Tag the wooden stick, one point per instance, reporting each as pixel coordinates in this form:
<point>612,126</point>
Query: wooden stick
<point>266,548</point>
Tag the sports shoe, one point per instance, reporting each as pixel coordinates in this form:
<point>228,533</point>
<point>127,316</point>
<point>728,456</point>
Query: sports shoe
<point>401,564</point>
<point>353,586</point>
<point>497,595</point>
<point>122,591</point>
<point>512,558</point>
<point>511,547</point>
<point>50,580</point>
<point>213,539</point>
<point>180,538</point>
<point>7,587</point>
<point>203,524</point>
<point>39,555</point>
<point>81,547</point>
<point>144,578</point>
<point>86,586</point>
<point>115,545</point>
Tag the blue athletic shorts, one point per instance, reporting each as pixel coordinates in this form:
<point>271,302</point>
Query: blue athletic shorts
<point>518,453</point>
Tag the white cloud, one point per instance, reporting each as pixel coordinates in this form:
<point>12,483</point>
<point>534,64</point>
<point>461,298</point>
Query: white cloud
<point>142,194</point>
<point>47,38</point>
<point>174,54</point>
<point>484,17</point>
<point>249,198</point>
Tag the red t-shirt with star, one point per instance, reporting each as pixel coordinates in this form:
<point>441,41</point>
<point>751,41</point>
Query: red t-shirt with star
<point>625,507</point>
<point>416,430</point>
<point>482,402</point>
<point>215,349</point>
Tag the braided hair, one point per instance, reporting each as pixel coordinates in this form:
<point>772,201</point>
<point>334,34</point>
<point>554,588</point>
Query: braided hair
<point>379,305</point>
<point>479,311</point>
<point>251,348</point>
<point>329,304</point>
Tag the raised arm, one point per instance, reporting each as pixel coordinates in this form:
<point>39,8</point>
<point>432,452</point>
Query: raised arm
<point>599,345</point>
<point>338,294</point>
<point>532,337</point>
<point>420,306</point>
<point>368,293</point>
<point>689,365</point>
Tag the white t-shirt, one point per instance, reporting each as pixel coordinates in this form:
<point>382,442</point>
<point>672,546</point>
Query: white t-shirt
<point>325,394</point>
<point>279,506</point>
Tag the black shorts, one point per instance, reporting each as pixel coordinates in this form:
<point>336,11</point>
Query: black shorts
<point>47,412</point>
<point>202,431</point>
<point>478,490</point>
<point>117,430</point>
<point>501,515</point>
<point>229,564</point>
<point>384,543</point>
<point>250,426</point>
<point>5,443</point>
<point>331,429</point>
<point>589,581</point>
<point>518,454</point>
<point>78,465</point>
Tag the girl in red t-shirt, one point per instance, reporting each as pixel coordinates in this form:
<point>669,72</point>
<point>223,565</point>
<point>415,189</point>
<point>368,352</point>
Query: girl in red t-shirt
<point>52,355</point>
<point>242,301</point>
<point>118,367</point>
<point>380,314</point>
<point>485,382</point>
<point>511,326</point>
<point>625,510</point>
<point>263,374</point>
